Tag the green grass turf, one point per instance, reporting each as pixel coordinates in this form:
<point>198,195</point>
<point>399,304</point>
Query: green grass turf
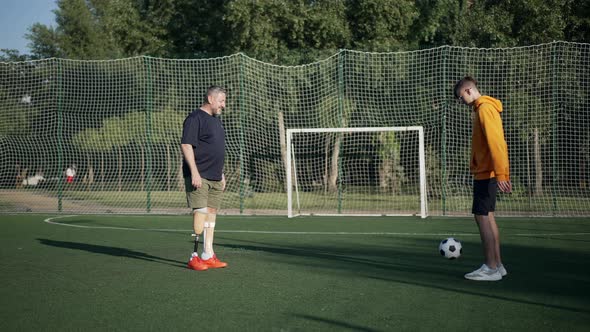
<point>90,278</point>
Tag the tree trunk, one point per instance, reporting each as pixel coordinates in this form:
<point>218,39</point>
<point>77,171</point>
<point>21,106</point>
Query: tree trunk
<point>102,171</point>
<point>90,178</point>
<point>282,140</point>
<point>333,177</point>
<point>168,165</point>
<point>326,165</point>
<point>386,168</point>
<point>583,176</point>
<point>142,176</point>
<point>385,176</point>
<point>120,166</point>
<point>390,171</point>
<point>538,165</point>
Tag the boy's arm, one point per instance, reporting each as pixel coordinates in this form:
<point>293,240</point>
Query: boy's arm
<point>492,126</point>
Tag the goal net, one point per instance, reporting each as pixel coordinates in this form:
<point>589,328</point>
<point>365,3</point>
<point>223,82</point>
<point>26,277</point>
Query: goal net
<point>356,171</point>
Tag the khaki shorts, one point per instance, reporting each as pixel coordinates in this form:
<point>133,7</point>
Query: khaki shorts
<point>209,195</point>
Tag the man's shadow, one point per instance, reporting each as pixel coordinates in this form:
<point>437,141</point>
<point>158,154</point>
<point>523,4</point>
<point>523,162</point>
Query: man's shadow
<point>113,251</point>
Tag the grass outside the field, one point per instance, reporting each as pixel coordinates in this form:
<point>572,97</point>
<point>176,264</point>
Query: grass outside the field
<point>351,201</point>
<point>315,273</point>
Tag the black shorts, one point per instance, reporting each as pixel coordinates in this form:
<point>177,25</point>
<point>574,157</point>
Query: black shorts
<point>484,196</point>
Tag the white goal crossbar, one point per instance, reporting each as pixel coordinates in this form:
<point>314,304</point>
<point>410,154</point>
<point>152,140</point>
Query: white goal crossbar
<point>421,161</point>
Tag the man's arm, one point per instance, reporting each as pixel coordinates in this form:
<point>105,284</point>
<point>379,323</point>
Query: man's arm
<point>189,157</point>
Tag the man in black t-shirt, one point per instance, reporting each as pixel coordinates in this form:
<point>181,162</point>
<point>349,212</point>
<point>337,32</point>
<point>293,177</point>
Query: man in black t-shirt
<point>203,149</point>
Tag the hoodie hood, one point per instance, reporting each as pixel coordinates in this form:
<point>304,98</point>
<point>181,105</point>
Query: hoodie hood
<point>489,100</point>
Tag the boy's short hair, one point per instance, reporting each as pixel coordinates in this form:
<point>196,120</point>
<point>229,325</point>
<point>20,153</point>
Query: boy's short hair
<point>465,81</point>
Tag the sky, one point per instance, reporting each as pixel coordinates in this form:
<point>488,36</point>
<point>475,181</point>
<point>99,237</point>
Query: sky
<point>16,16</point>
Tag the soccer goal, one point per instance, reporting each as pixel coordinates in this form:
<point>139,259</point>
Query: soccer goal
<point>356,171</point>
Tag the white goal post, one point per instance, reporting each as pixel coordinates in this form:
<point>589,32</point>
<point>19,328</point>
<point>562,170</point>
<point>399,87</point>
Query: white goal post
<point>372,171</point>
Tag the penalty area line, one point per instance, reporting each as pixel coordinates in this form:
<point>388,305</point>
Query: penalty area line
<point>51,221</point>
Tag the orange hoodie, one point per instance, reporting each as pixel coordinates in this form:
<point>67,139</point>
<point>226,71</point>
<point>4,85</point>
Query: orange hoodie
<point>489,152</point>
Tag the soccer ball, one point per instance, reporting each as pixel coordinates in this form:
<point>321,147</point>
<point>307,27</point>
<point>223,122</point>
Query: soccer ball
<point>450,248</point>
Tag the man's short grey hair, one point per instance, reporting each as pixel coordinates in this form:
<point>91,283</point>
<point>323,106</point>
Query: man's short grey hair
<point>213,90</point>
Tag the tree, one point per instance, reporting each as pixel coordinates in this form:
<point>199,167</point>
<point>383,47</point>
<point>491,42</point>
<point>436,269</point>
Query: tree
<point>23,94</point>
<point>92,141</point>
<point>326,26</point>
<point>380,25</point>
<point>12,55</point>
<point>197,28</point>
<point>436,23</point>
<point>298,31</point>
<point>138,27</point>
<point>577,21</point>
<point>118,132</point>
<point>265,28</point>
<point>44,42</point>
<point>79,31</point>
<point>93,29</point>
<point>491,23</point>
<point>287,32</point>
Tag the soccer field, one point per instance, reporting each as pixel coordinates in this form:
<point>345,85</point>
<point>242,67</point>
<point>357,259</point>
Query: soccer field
<point>127,273</point>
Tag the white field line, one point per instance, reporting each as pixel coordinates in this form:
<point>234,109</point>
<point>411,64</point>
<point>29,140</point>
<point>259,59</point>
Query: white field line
<point>51,221</point>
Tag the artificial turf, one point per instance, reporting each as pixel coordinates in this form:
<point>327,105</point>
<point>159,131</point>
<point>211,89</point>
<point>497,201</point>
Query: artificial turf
<point>128,273</point>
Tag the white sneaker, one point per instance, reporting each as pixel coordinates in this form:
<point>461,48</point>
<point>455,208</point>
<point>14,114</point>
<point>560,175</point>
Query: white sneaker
<point>484,273</point>
<point>502,270</point>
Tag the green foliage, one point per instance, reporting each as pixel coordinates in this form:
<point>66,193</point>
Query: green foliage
<point>577,19</point>
<point>327,26</point>
<point>492,23</point>
<point>79,32</point>
<point>10,55</point>
<point>436,24</point>
<point>13,116</point>
<point>21,109</point>
<point>166,126</point>
<point>264,26</point>
<point>131,129</point>
<point>138,28</point>
<point>90,140</point>
<point>299,31</point>
<point>44,41</point>
<point>269,30</point>
<point>104,30</point>
<point>381,25</point>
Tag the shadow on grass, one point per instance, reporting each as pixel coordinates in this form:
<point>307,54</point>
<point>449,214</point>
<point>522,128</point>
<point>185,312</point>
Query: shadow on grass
<point>112,251</point>
<point>333,323</point>
<point>540,276</point>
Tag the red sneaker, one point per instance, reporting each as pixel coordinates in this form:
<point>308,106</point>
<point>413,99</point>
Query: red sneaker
<point>214,262</point>
<point>197,264</point>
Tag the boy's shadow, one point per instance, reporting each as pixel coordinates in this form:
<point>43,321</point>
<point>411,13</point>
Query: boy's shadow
<point>113,251</point>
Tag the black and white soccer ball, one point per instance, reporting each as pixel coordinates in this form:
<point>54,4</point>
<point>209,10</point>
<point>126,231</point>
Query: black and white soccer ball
<point>450,248</point>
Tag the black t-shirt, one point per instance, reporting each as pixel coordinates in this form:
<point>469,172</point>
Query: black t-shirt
<point>207,136</point>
